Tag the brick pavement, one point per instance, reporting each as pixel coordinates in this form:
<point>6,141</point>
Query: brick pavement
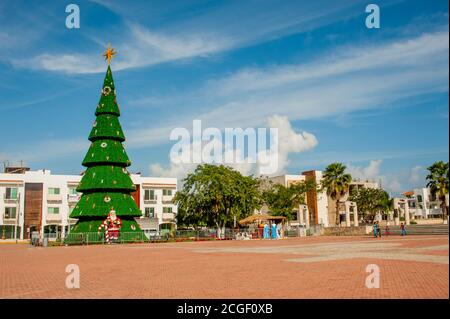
<point>313,267</point>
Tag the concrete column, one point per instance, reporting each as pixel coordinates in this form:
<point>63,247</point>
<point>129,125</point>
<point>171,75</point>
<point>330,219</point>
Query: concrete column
<point>407,219</point>
<point>347,214</point>
<point>300,214</point>
<point>307,218</point>
<point>355,215</point>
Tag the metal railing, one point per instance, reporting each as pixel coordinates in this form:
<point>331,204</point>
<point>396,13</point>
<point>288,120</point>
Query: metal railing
<point>99,238</point>
<point>185,235</point>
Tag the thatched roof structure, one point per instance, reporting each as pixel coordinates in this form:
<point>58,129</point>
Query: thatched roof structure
<point>259,218</point>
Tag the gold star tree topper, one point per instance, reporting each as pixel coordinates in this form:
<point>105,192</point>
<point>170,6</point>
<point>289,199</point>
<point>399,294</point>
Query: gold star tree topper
<point>109,53</point>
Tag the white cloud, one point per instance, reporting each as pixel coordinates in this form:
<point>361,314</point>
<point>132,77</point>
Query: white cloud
<point>221,28</point>
<point>341,82</point>
<point>139,47</point>
<point>417,174</point>
<point>370,172</point>
<point>394,183</point>
<point>289,142</point>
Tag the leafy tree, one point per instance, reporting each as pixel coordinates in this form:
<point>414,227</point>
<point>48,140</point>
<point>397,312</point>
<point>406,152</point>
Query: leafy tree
<point>438,181</point>
<point>213,195</point>
<point>371,201</point>
<point>386,204</point>
<point>283,201</point>
<point>337,184</point>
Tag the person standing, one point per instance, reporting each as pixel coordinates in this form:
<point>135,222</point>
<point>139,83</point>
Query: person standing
<point>378,229</point>
<point>403,229</point>
<point>375,229</point>
<point>387,231</point>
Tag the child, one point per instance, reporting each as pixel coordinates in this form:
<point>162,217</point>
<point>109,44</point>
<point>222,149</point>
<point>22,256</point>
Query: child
<point>387,231</point>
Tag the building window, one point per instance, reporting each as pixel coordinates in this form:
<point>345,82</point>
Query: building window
<point>167,210</point>
<point>11,193</point>
<point>10,212</point>
<point>73,191</point>
<point>167,192</point>
<point>53,191</point>
<point>419,198</point>
<point>150,212</point>
<point>53,210</point>
<point>149,194</point>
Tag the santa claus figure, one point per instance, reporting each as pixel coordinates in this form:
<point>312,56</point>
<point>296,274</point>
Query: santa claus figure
<point>111,225</point>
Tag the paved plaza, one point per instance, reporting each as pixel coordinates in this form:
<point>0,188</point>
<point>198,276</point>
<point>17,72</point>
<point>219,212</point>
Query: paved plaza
<point>312,267</point>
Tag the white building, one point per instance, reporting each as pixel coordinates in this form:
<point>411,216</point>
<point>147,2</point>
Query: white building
<point>315,212</point>
<point>422,204</point>
<point>39,201</point>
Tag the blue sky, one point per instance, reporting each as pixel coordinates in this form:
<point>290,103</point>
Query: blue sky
<point>374,99</point>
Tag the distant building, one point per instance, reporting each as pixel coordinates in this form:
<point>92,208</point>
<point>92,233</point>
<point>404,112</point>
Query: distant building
<point>422,204</point>
<point>40,201</point>
<point>314,212</point>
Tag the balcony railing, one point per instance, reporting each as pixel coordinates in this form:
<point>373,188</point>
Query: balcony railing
<point>168,216</point>
<point>167,198</point>
<point>73,198</point>
<point>10,199</point>
<point>150,200</point>
<point>54,197</point>
<point>53,217</point>
<point>9,221</point>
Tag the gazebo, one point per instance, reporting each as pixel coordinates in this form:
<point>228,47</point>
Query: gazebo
<point>259,218</point>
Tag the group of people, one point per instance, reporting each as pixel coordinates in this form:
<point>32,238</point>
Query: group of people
<point>274,231</point>
<point>387,231</point>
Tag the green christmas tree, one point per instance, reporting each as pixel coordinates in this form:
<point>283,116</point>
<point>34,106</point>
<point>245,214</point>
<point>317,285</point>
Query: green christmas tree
<point>106,184</point>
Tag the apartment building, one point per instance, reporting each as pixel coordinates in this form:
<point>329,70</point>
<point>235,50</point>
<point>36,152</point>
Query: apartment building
<point>315,211</point>
<point>422,204</point>
<point>41,201</point>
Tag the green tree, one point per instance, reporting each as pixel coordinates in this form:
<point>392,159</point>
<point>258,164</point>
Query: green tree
<point>106,184</point>
<point>386,204</point>
<point>337,184</point>
<point>371,201</point>
<point>284,201</point>
<point>214,195</point>
<point>438,182</point>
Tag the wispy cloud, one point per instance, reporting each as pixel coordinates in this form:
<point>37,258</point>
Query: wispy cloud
<point>394,183</point>
<point>342,82</point>
<point>224,27</point>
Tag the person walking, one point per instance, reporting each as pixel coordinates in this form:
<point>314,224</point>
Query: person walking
<point>378,229</point>
<point>403,229</point>
<point>375,229</point>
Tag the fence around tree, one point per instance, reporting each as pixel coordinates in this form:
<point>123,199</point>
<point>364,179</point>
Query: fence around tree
<point>186,235</point>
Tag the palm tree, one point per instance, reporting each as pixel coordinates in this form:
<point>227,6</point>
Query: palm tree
<point>438,182</point>
<point>337,184</point>
<point>386,203</point>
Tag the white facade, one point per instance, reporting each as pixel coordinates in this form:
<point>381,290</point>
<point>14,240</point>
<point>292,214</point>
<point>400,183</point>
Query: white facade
<point>422,204</point>
<point>59,197</point>
<point>318,201</point>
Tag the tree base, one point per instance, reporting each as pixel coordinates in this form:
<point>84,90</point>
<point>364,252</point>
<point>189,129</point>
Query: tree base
<point>86,232</point>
